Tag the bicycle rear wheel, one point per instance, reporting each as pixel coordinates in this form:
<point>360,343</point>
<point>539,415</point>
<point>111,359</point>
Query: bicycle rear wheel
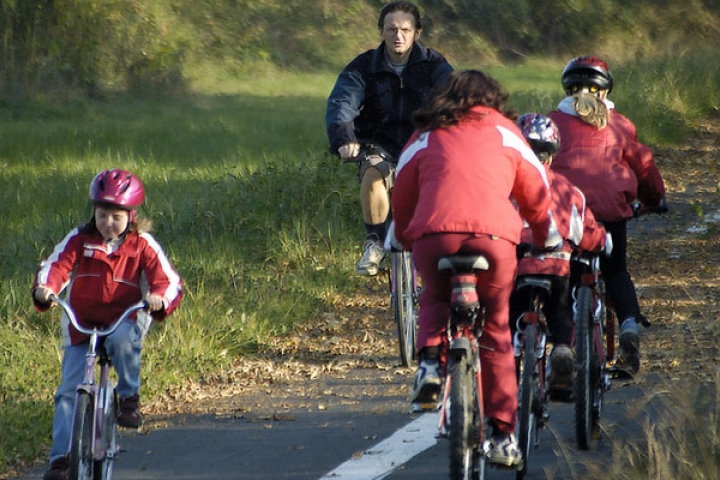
<point>403,300</point>
<point>464,451</point>
<point>81,456</point>
<point>526,410</point>
<point>104,467</point>
<point>584,366</point>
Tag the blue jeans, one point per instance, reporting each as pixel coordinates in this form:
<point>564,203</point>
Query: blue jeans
<point>124,347</point>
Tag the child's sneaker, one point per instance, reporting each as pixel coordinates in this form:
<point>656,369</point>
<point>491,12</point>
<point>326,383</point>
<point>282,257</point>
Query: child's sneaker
<point>504,450</point>
<point>129,415</point>
<point>58,469</point>
<point>427,382</point>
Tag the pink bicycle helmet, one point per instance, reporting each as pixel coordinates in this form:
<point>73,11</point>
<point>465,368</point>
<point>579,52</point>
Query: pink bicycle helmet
<point>587,71</point>
<point>117,187</point>
<point>541,133</point>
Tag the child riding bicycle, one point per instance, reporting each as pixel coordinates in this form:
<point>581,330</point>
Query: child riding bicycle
<point>578,227</point>
<point>452,197</point>
<point>602,156</point>
<point>105,266</point>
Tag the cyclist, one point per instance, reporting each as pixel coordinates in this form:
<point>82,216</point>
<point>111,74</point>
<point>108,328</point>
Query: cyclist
<point>601,155</point>
<point>452,196</point>
<point>372,102</point>
<point>578,227</point>
<point>105,266</point>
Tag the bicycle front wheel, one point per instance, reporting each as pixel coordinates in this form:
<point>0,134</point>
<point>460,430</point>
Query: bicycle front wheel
<point>104,467</point>
<point>81,455</point>
<point>584,385</point>
<point>403,299</point>
<point>464,451</point>
<point>526,412</point>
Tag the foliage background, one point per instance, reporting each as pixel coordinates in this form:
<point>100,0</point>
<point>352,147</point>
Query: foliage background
<point>97,47</point>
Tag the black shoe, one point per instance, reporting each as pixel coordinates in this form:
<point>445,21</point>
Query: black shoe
<point>129,415</point>
<point>630,346</point>
<point>58,470</point>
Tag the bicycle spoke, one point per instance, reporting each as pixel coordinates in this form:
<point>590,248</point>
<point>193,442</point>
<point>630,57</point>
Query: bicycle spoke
<point>403,304</point>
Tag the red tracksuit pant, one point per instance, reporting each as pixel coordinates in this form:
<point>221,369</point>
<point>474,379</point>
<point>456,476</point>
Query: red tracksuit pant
<point>494,288</point>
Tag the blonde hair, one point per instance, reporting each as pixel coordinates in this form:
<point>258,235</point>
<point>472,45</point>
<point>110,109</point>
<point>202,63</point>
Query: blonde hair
<point>591,110</point>
<point>143,225</point>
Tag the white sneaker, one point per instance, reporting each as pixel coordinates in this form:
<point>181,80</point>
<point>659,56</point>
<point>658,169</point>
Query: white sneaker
<point>427,383</point>
<point>504,450</point>
<point>369,264</point>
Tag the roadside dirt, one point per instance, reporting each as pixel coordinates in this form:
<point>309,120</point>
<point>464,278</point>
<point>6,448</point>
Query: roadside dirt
<point>349,356</point>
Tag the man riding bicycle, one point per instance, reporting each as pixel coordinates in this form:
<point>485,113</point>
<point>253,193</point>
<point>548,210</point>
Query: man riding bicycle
<point>372,103</point>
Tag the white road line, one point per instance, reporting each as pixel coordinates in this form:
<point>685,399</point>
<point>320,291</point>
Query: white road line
<point>380,460</point>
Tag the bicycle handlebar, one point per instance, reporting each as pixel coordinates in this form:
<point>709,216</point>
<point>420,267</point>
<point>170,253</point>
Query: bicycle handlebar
<point>142,305</point>
<point>368,150</point>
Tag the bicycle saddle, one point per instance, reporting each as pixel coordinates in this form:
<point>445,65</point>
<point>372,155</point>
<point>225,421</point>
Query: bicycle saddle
<point>463,263</point>
<point>528,281</point>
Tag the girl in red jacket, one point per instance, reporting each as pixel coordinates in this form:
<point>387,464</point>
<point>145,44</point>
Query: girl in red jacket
<point>601,155</point>
<point>104,267</point>
<point>577,225</point>
<point>452,195</point>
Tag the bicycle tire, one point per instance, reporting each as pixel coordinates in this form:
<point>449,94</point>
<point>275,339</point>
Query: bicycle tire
<point>403,301</point>
<point>82,466</point>
<point>584,388</point>
<point>526,408</point>
<point>104,467</point>
<point>464,455</point>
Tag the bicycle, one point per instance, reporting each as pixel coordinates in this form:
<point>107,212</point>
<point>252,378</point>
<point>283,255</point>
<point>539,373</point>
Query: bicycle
<point>403,282</point>
<point>529,343</point>
<point>93,440</point>
<point>594,348</point>
<point>462,414</point>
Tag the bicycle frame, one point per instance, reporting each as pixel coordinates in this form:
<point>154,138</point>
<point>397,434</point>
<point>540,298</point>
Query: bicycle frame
<point>467,435</point>
<point>529,342</point>
<point>593,376</point>
<point>100,390</point>
<point>604,325</point>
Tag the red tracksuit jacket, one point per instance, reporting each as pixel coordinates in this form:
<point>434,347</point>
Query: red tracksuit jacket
<point>467,174</point>
<point>576,224</point>
<point>610,166</point>
<point>101,286</point>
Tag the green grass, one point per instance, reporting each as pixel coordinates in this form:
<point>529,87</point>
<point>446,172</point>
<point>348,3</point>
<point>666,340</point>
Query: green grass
<point>261,223</point>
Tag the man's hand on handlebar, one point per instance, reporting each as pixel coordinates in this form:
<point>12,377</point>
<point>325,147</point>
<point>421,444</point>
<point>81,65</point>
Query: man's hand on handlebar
<point>349,151</point>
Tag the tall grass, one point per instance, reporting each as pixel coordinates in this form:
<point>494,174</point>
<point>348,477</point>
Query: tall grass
<point>684,444</point>
<point>261,223</point>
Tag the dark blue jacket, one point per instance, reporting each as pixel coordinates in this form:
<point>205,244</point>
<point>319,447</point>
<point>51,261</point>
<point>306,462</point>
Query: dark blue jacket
<point>371,103</point>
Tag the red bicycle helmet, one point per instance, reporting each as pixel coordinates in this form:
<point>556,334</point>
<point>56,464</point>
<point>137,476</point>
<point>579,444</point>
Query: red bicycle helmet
<point>586,71</point>
<point>117,187</point>
<point>541,133</point>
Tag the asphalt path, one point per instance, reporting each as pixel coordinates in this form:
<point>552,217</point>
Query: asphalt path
<point>310,443</point>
